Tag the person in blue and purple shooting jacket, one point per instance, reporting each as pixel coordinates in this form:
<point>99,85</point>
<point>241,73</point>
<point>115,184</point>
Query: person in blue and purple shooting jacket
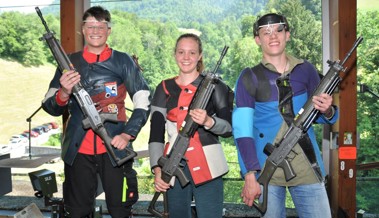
<point>267,97</point>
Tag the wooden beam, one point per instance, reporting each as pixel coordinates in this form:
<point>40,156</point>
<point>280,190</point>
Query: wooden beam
<point>71,29</point>
<point>368,166</point>
<point>343,166</point>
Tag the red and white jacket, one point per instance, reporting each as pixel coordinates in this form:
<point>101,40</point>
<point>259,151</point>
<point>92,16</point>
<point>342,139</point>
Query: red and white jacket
<point>205,157</point>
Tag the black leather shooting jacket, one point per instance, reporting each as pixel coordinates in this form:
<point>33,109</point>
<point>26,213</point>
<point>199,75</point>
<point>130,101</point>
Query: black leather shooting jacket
<point>117,71</point>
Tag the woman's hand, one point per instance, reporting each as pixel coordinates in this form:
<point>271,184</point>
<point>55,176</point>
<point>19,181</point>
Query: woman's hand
<point>159,184</point>
<point>201,117</point>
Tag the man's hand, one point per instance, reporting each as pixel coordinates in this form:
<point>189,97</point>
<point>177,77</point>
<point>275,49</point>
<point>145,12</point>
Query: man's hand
<point>323,103</point>
<point>251,189</point>
<point>68,80</point>
<point>121,141</point>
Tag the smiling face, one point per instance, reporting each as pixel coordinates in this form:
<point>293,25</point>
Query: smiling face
<point>187,55</point>
<point>95,34</point>
<point>272,39</point>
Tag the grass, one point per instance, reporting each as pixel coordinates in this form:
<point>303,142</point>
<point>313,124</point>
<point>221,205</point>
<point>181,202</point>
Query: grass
<point>368,5</point>
<point>23,89</point>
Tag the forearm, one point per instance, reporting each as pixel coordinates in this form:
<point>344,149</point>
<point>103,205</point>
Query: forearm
<point>141,112</point>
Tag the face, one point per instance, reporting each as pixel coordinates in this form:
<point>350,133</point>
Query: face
<point>187,55</point>
<point>96,34</point>
<point>272,39</point>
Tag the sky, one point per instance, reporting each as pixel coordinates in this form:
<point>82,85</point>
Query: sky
<point>25,6</point>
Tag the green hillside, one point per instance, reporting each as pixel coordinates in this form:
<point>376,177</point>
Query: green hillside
<point>23,90</point>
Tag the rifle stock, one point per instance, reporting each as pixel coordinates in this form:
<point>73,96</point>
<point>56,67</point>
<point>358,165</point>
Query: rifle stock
<point>171,165</point>
<point>93,119</point>
<point>302,121</point>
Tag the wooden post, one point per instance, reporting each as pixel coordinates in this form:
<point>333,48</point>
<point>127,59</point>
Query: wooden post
<point>71,29</point>
<point>343,19</point>
<point>71,24</point>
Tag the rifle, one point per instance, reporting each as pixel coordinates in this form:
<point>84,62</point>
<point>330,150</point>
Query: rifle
<point>93,119</point>
<point>302,121</point>
<point>171,163</point>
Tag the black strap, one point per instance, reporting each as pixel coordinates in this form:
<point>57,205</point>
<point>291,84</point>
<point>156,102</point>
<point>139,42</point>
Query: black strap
<point>286,109</point>
<point>261,93</point>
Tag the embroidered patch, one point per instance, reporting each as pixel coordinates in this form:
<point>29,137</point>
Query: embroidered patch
<point>110,89</point>
<point>112,108</point>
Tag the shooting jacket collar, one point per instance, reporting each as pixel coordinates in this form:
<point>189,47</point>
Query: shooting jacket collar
<point>292,62</point>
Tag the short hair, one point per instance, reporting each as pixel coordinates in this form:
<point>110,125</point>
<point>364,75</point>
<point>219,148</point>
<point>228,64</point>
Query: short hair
<point>98,12</point>
<point>267,19</point>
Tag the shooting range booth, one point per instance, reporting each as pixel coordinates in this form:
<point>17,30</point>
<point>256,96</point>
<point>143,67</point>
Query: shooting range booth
<point>339,30</point>
<point>339,21</point>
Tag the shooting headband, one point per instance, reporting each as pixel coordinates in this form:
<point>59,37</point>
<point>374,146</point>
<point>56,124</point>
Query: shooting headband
<point>269,19</point>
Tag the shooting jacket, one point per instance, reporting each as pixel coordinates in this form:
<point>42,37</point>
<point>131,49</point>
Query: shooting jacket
<point>258,121</point>
<point>107,82</point>
<point>205,157</point>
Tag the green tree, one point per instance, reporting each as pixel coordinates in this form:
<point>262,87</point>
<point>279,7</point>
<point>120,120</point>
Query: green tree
<point>245,53</point>
<point>19,39</point>
<point>126,36</point>
<point>368,73</point>
<point>306,37</point>
<point>247,23</point>
<point>367,116</point>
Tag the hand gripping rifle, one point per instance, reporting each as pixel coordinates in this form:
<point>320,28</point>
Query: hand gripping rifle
<point>302,121</point>
<point>171,163</point>
<point>93,119</point>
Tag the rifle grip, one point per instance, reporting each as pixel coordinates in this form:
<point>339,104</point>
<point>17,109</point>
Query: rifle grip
<point>118,157</point>
<point>287,169</point>
<point>181,177</point>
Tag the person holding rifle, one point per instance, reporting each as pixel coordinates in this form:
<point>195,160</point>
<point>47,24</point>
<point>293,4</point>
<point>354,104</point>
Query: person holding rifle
<point>204,163</point>
<point>267,97</point>
<point>108,76</point>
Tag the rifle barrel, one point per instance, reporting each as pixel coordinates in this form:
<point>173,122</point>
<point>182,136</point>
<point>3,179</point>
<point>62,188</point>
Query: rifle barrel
<point>43,20</point>
<point>356,43</point>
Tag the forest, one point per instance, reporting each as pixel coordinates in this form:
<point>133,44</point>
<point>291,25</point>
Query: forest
<point>148,29</point>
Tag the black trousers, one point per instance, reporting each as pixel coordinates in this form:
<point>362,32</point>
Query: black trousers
<point>80,186</point>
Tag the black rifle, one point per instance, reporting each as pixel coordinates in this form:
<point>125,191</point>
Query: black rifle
<point>170,164</point>
<point>302,121</point>
<point>93,119</point>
